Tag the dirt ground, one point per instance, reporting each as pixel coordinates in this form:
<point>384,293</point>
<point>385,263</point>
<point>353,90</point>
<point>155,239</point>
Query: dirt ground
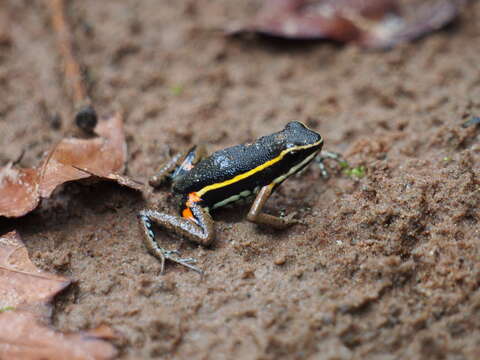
<point>385,266</point>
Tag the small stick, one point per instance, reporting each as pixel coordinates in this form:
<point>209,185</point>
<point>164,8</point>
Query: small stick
<point>86,117</point>
<point>73,73</point>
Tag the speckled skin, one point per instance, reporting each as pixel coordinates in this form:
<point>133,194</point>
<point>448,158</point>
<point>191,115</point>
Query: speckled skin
<point>228,163</point>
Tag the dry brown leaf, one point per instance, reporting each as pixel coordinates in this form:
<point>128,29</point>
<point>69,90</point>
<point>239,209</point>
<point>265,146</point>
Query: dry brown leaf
<point>21,282</point>
<point>101,156</point>
<point>372,23</point>
<point>72,159</point>
<point>22,285</point>
<point>18,191</point>
<point>22,337</point>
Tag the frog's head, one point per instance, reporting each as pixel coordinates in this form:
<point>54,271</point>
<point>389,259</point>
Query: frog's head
<point>300,146</point>
<point>299,137</point>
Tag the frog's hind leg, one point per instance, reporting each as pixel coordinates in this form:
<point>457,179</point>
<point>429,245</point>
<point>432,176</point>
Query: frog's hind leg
<point>178,165</point>
<point>256,215</point>
<point>199,228</point>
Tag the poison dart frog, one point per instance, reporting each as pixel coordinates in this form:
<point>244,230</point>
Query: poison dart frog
<point>239,173</point>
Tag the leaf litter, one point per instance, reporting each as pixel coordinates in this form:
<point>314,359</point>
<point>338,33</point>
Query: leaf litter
<point>18,190</point>
<point>103,156</point>
<point>21,282</point>
<point>25,338</point>
<point>374,24</point>
<point>25,292</point>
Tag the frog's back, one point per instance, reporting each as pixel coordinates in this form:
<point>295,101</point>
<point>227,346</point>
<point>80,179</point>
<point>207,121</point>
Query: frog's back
<point>240,171</point>
<point>226,164</point>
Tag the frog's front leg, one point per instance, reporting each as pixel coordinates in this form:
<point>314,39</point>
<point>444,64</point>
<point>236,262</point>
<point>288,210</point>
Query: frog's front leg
<point>256,215</point>
<point>320,158</point>
<point>166,170</point>
<point>178,165</point>
<point>196,225</point>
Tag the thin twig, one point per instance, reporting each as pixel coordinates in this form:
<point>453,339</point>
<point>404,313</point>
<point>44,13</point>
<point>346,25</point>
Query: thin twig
<point>74,80</point>
<point>86,116</point>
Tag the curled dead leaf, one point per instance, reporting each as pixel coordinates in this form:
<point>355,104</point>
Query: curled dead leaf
<point>21,282</point>
<point>102,156</point>
<point>71,159</point>
<point>23,337</point>
<point>18,191</point>
<point>371,24</point>
<point>23,289</point>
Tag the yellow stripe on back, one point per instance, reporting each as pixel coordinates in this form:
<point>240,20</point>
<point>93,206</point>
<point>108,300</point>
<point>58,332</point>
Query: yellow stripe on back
<point>259,168</point>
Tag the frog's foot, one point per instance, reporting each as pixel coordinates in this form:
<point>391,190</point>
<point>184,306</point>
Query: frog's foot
<point>161,253</point>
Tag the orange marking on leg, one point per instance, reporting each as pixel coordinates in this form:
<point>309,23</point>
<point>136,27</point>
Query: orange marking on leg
<point>187,213</point>
<point>193,198</point>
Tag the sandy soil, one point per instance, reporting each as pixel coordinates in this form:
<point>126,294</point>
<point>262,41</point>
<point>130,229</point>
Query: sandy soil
<point>385,267</point>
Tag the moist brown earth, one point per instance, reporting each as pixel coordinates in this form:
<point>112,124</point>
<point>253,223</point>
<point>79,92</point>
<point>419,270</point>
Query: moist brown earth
<point>384,267</point>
